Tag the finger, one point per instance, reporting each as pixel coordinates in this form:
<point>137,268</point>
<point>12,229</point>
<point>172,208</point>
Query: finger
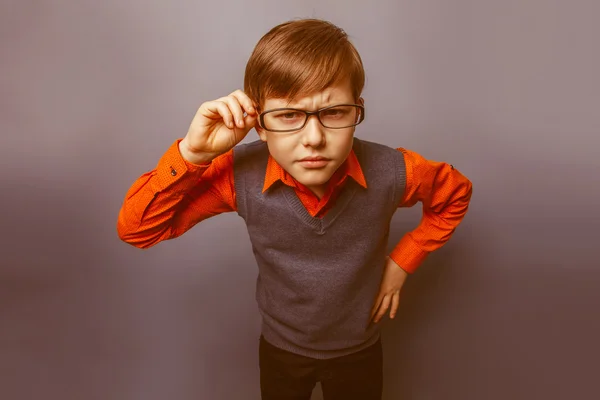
<point>376,305</point>
<point>250,121</point>
<point>395,303</point>
<point>245,102</point>
<point>236,109</point>
<point>219,110</point>
<point>383,308</point>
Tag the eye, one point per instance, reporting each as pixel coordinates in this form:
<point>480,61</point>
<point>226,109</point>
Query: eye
<point>334,112</point>
<point>288,115</point>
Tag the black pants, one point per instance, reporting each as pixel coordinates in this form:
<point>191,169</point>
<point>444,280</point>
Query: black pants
<point>288,376</point>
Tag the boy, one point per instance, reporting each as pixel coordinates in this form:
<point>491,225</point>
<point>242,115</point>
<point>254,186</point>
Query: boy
<point>317,203</point>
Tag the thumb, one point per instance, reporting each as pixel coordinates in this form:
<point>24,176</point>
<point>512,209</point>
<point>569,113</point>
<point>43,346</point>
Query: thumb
<point>250,122</point>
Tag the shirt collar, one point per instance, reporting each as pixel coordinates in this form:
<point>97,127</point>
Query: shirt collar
<point>349,168</point>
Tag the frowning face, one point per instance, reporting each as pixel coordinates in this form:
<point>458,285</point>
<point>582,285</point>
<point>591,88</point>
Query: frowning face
<point>313,153</point>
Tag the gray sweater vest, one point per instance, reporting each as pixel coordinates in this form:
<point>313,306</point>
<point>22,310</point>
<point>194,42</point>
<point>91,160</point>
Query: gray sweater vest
<point>318,278</point>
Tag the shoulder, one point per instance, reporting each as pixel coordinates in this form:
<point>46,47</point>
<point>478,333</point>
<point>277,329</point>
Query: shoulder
<point>411,156</point>
<point>377,153</point>
<point>246,152</point>
<point>369,145</point>
<point>369,148</point>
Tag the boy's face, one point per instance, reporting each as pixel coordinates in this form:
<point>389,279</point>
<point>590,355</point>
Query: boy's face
<point>331,146</point>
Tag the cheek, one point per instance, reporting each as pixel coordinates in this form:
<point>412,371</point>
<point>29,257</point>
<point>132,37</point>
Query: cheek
<point>282,149</point>
<point>343,142</point>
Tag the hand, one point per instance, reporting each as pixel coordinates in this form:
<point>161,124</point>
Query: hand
<point>389,291</point>
<point>218,126</point>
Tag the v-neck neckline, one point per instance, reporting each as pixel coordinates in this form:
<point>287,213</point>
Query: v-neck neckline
<point>320,225</point>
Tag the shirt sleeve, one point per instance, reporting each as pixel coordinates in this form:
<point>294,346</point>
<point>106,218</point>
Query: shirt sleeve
<point>166,202</point>
<point>445,195</point>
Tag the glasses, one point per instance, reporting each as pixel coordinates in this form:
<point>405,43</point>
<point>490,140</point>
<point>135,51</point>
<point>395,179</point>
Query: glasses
<point>338,116</point>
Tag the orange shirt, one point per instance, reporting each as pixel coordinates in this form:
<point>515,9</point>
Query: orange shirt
<point>166,202</point>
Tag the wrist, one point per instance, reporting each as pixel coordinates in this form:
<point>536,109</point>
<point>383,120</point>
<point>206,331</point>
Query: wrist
<point>194,157</point>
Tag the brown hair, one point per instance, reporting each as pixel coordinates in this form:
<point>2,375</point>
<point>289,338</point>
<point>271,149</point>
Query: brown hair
<point>302,57</point>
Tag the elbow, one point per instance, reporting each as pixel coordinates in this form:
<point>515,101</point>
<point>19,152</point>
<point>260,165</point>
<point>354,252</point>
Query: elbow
<point>136,242</point>
<point>467,193</point>
<point>133,237</point>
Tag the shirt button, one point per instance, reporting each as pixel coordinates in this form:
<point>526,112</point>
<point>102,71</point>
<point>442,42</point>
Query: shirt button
<point>173,172</point>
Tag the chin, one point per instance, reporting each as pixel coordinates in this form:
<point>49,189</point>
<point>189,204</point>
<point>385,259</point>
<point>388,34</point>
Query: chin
<point>313,177</point>
<point>316,181</point>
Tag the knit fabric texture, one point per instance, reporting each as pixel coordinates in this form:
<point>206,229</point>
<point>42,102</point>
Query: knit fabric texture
<point>318,277</point>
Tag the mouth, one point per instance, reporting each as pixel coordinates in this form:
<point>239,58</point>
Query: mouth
<point>314,162</point>
<point>318,158</point>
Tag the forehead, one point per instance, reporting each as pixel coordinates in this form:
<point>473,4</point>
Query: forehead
<point>338,93</point>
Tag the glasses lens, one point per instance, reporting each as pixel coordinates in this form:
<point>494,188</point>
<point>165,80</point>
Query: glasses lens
<point>340,116</point>
<point>290,119</point>
<point>283,120</point>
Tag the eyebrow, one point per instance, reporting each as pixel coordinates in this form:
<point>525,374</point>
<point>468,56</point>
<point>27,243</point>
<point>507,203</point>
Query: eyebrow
<point>289,107</point>
<point>325,104</point>
<point>326,101</point>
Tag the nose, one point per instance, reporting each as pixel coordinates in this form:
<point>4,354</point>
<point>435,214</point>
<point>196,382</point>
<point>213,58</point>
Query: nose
<point>312,134</point>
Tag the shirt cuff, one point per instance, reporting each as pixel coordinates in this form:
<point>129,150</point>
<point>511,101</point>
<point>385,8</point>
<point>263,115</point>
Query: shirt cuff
<point>408,255</point>
<point>176,174</point>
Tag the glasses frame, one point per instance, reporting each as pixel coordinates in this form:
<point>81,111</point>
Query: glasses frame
<point>261,118</point>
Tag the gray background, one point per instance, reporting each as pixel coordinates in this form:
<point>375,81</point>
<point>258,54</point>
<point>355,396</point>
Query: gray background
<point>93,93</point>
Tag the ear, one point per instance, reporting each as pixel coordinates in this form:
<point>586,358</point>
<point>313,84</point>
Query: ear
<point>262,134</point>
<point>361,101</point>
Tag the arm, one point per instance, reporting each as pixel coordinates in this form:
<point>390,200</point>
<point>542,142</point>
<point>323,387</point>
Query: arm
<point>166,202</point>
<point>193,179</point>
<point>445,195</point>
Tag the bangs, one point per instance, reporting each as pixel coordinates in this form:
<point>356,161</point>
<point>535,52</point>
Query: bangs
<point>301,58</point>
